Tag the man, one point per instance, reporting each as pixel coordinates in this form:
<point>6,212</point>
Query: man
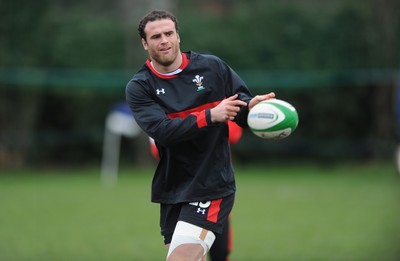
<point>222,245</point>
<point>183,101</point>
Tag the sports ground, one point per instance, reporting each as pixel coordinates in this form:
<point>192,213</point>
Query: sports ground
<point>306,212</point>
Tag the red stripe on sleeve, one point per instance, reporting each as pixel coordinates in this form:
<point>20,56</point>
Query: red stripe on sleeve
<point>184,114</point>
<point>214,209</point>
<point>201,119</point>
<point>199,112</point>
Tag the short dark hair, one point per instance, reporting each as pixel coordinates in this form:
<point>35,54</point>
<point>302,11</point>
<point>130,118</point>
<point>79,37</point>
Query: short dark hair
<point>153,16</point>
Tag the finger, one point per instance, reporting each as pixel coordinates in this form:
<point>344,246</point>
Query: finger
<point>232,98</point>
<point>241,103</point>
<point>270,95</point>
<point>264,97</point>
<point>238,103</point>
<point>230,117</point>
<point>234,107</point>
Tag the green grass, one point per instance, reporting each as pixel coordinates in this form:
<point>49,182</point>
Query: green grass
<point>281,213</point>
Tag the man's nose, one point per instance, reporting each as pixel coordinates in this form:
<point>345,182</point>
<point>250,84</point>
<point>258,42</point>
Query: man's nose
<point>164,39</point>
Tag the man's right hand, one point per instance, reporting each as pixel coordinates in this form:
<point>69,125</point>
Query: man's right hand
<point>227,109</point>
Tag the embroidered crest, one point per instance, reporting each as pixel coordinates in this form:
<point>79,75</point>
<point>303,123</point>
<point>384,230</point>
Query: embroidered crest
<point>199,82</point>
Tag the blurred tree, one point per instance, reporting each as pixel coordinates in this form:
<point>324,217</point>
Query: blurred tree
<point>289,43</point>
<point>21,45</point>
<point>54,36</point>
<point>384,28</point>
<point>344,39</point>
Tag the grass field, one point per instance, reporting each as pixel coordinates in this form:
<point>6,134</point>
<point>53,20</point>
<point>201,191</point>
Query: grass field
<point>346,212</point>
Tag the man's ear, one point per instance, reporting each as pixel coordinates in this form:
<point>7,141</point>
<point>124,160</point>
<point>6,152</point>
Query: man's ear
<point>179,38</point>
<point>144,43</point>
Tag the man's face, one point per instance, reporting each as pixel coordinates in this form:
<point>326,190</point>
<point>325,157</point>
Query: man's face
<point>162,42</point>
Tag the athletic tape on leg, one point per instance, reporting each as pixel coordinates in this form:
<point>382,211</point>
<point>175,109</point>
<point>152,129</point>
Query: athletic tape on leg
<point>186,233</point>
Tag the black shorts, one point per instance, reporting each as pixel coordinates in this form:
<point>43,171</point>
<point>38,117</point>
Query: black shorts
<point>211,215</point>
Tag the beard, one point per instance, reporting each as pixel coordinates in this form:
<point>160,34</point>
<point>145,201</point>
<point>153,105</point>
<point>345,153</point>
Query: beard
<point>166,59</point>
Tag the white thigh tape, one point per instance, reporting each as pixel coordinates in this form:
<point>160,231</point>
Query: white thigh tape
<point>186,229</point>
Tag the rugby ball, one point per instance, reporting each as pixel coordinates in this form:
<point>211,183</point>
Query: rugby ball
<point>273,119</point>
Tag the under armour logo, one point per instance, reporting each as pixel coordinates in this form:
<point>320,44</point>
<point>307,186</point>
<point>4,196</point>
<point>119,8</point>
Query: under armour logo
<point>202,210</point>
<point>162,91</point>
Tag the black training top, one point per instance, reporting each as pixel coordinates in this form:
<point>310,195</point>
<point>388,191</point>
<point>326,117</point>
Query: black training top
<point>195,161</point>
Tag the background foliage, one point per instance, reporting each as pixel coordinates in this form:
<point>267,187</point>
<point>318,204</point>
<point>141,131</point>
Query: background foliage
<point>65,63</point>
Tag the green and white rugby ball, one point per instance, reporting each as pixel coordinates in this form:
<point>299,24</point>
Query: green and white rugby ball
<point>273,119</point>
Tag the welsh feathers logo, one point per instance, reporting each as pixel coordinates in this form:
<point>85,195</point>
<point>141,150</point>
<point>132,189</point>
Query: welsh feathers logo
<point>198,80</point>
